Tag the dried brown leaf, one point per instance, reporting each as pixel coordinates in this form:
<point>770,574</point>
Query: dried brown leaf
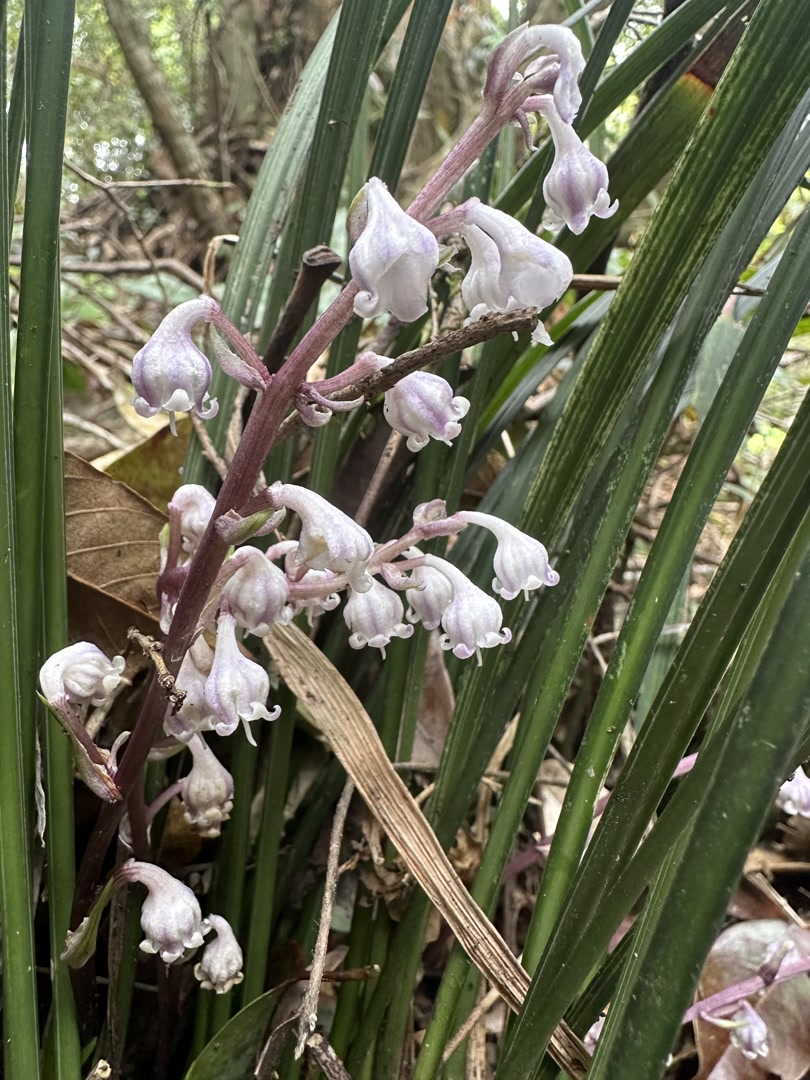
<point>342,720</point>
<point>112,536</point>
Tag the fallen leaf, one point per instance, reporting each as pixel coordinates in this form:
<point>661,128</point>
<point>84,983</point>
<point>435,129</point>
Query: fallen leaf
<point>112,536</point>
<point>152,467</point>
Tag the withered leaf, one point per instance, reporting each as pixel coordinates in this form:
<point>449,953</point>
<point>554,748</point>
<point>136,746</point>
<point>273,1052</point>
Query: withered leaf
<point>98,617</point>
<point>112,536</point>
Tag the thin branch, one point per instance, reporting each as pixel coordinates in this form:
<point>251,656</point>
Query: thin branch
<point>309,1006</point>
<point>317,266</point>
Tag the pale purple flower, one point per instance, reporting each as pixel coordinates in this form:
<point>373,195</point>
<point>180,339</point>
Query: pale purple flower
<point>170,372</point>
<point>79,674</point>
<point>329,539</point>
<point>170,916</point>
<point>374,617</point>
<point>257,592</point>
<point>195,714</point>
<point>749,1033</point>
<point>794,795</point>
<point>194,505</point>
<point>422,407</point>
<point>430,601</point>
<point>511,267</point>
<point>237,687</point>
<point>305,600</point>
<point>221,966</point>
<point>207,790</point>
<point>576,186</point>
<point>521,562</point>
<point>472,620</point>
<point>566,62</point>
<point>393,258</point>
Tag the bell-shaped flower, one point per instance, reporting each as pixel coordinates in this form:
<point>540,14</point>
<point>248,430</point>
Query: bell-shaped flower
<point>422,407</point>
<point>374,617</point>
<point>170,372</point>
<point>195,714</point>
<point>193,505</point>
<point>472,621</point>
<point>237,687</point>
<point>511,267</point>
<point>78,675</point>
<point>393,258</point>
<point>749,1032</point>
<point>221,964</point>
<point>207,790</point>
<point>329,539</point>
<point>170,916</point>
<point>257,593</point>
<point>430,600</point>
<point>575,188</point>
<point>794,794</point>
<point>521,562</point>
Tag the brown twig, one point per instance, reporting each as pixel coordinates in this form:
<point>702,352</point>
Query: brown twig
<point>154,650</point>
<point>317,266</point>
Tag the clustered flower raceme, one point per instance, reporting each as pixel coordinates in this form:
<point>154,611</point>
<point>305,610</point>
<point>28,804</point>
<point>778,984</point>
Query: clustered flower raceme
<point>393,258</point>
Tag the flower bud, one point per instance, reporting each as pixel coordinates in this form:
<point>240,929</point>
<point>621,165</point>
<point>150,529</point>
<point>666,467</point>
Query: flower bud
<point>472,620</point>
<point>221,964</point>
<point>170,916</point>
<point>207,790</point>
<point>422,407</point>
<point>257,593</point>
<point>374,617</point>
<point>576,185</point>
<point>170,372</point>
<point>521,562</point>
<point>329,539</point>
<point>393,258</point>
<point>79,674</point>
<point>237,687</point>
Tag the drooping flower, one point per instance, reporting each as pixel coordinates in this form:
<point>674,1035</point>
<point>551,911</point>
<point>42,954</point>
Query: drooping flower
<point>511,267</point>
<point>393,257</point>
<point>749,1033</point>
<point>575,188</point>
<point>257,593</point>
<point>422,407</point>
<point>374,617</point>
<point>170,916</point>
<point>566,63</point>
<point>472,620</point>
<point>195,714</point>
<point>521,562</point>
<point>329,539</point>
<point>794,794</point>
<point>170,372</point>
<point>79,674</point>
<point>221,966</point>
<point>428,602</point>
<point>207,790</point>
<point>310,592</point>
<point>237,687</point>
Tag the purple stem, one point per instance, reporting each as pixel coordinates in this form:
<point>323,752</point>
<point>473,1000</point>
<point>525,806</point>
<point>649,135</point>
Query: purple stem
<point>734,994</point>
